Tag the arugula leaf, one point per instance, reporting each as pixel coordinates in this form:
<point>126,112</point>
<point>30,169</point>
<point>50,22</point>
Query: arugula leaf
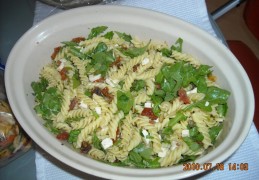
<point>217,95</point>
<point>178,117</point>
<point>178,45</point>
<point>39,87</point>
<point>195,134</point>
<point>125,101</point>
<point>96,142</point>
<point>49,125</point>
<point>76,80</point>
<point>194,146</point>
<point>134,51</point>
<point>109,35</point>
<point>88,93</point>
<point>101,47</point>
<point>69,43</point>
<point>73,134</point>
<point>135,157</point>
<point>96,31</point>
<point>138,85</point>
<point>49,104</point>
<point>159,78</point>
<point>186,158</point>
<point>151,163</point>
<point>126,37</point>
<point>167,131</point>
<point>214,132</point>
<point>166,52</point>
<point>141,156</point>
<point>101,62</point>
<point>76,52</point>
<point>222,109</point>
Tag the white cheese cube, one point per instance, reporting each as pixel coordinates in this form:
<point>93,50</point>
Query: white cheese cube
<point>83,105</point>
<point>145,132</point>
<point>145,61</point>
<point>148,104</point>
<point>106,143</point>
<point>207,103</point>
<point>98,110</point>
<point>185,133</point>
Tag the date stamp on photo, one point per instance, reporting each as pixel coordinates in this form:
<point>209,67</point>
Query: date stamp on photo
<point>217,167</point>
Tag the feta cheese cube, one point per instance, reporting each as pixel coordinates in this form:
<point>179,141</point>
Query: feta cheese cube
<point>207,103</point>
<point>185,133</point>
<point>145,61</point>
<point>148,104</point>
<point>106,143</point>
<point>98,110</point>
<point>83,105</point>
<point>145,132</point>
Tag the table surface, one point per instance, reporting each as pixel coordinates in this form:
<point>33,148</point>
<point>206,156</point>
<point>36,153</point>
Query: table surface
<point>43,166</point>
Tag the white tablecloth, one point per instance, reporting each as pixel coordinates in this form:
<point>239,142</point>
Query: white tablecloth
<point>195,12</point>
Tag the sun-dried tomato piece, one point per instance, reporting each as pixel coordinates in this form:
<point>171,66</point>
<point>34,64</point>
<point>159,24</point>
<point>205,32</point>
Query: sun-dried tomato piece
<point>102,79</point>
<point>78,39</point>
<point>85,147</point>
<point>149,113</point>
<point>63,74</point>
<point>116,62</point>
<point>105,92</point>
<point>63,136</point>
<point>73,103</point>
<point>54,54</point>
<point>183,96</point>
<point>135,67</point>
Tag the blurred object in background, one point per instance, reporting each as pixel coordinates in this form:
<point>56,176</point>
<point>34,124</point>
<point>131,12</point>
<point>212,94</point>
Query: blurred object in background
<point>16,17</point>
<point>251,17</point>
<point>67,4</point>
<point>14,142</point>
<point>246,56</point>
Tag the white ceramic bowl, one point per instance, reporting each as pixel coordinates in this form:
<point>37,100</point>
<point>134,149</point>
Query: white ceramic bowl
<point>33,51</point>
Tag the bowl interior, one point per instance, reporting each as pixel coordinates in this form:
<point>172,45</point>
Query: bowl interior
<point>33,51</point>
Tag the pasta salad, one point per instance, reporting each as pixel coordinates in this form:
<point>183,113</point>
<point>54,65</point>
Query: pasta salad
<point>128,102</point>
